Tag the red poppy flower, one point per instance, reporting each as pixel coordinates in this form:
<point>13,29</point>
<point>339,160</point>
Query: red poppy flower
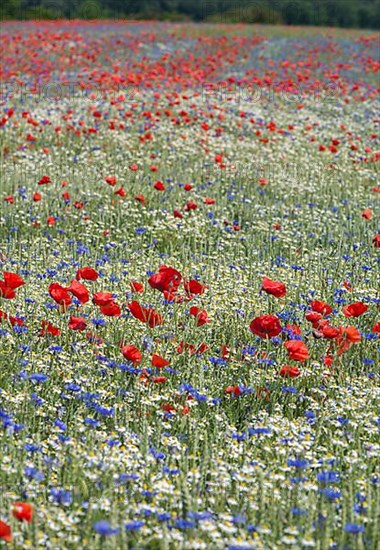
<point>347,285</point>
<point>194,287</point>
<point>132,354</point>
<point>177,214</point>
<point>60,294</point>
<point>37,197</point>
<point>347,337</point>
<point>145,315</point>
<point>44,180</point>
<point>167,278</point>
<point>201,315</point>
<point>170,297</point>
<point>111,180</point>
<point>102,298</point>
<point>137,287</point>
<point>313,317</point>
<point>295,329</point>
<point>355,310</point>
<point>77,323</point>
<point>168,408</point>
<point>202,348</point>
<point>138,311</point>
<point>12,280</point>
<point>288,371</point>
<point>185,346</point>
<point>9,199</point>
<point>376,241</point>
<point>120,192</point>
<point>208,200</point>
<point>266,326</point>
<point>79,291</point>
<point>159,362</point>
<point>159,380</point>
<point>47,327</point>
<point>6,292</point>
<point>352,334</point>
<point>87,273</point>
<point>273,287</point>
<point>376,328</point>
<point>111,309</point>
<point>225,352</point>
<point>5,531</point>
<point>190,206</point>
<point>159,186</point>
<point>23,511</point>
<point>321,307</point>
<point>140,198</point>
<point>16,321</point>
<point>330,332</point>
<point>297,350</point>
<point>187,187</point>
<point>367,214</point>
<point>235,390</point>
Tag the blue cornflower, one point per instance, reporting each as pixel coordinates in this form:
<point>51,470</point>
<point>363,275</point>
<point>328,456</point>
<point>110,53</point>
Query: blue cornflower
<point>32,473</point>
<point>331,494</point>
<point>38,377</point>
<point>298,463</point>
<point>239,437</point>
<point>328,477</point>
<point>61,425</point>
<point>61,496</point>
<point>91,422</point>
<point>104,528</point>
<point>140,230</point>
<point>56,349</point>
<point>359,508</point>
<point>134,525</point>
<point>123,478</point>
<point>184,524</point>
<point>104,411</point>
<point>82,249</point>
<point>38,401</point>
<point>288,389</point>
<point>239,519</point>
<point>259,431</point>
<point>298,512</point>
<point>72,387</point>
<point>98,322</point>
<point>354,528</point>
<point>157,455</point>
<point>32,448</point>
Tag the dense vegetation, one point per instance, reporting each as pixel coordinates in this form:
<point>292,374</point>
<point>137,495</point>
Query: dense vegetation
<point>189,287</point>
<point>338,13</point>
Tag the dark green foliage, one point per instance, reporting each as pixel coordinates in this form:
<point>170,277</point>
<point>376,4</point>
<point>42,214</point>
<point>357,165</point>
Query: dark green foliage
<point>337,13</point>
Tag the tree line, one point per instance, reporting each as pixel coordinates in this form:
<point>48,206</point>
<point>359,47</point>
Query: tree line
<point>334,13</point>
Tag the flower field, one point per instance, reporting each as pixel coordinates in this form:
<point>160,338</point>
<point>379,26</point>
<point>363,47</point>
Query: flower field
<point>190,287</point>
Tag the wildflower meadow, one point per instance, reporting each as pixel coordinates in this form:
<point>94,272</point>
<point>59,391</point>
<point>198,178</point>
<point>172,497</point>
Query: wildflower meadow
<point>189,287</point>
